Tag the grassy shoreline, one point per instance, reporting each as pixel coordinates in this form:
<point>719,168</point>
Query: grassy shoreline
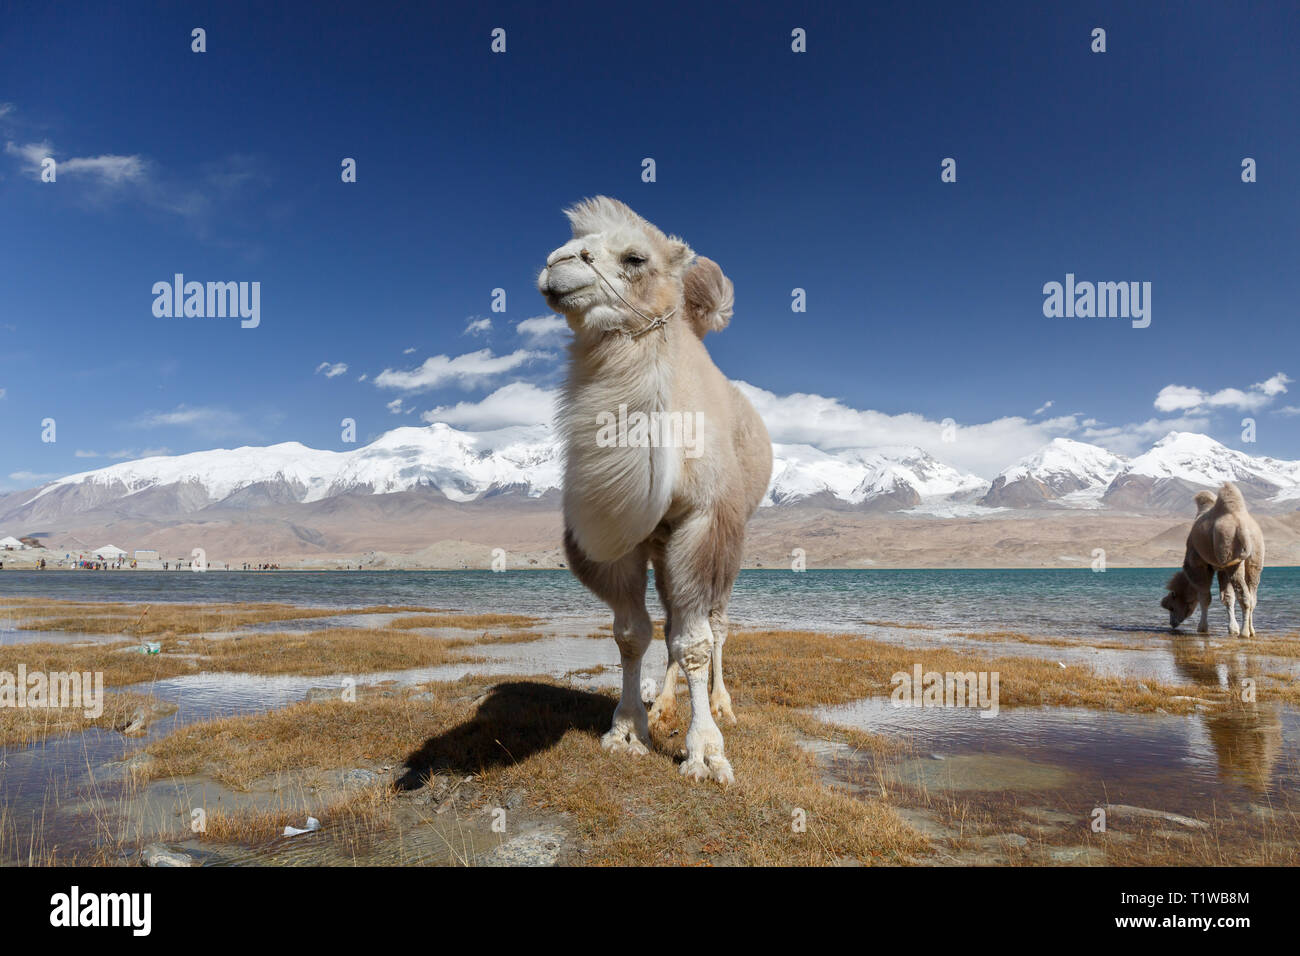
<point>474,744</point>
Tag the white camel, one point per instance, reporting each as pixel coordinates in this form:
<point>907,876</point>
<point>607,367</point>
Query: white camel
<point>639,302</point>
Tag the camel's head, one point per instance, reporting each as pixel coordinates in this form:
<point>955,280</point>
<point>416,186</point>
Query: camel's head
<point>613,253</point>
<point>1181,599</point>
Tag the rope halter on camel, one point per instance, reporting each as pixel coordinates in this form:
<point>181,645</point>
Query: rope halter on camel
<point>651,324</point>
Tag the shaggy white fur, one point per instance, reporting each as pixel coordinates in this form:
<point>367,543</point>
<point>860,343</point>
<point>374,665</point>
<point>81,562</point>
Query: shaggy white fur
<point>639,302</point>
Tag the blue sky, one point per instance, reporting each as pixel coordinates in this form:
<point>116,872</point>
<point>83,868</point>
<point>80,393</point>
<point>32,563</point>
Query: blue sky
<point>818,170</point>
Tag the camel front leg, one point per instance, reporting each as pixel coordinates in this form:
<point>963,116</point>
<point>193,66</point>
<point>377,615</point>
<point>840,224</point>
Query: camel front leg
<point>664,710</point>
<point>1248,595</point>
<point>621,585</point>
<point>692,649</point>
<point>630,732</point>
<point>719,699</point>
<point>1203,598</point>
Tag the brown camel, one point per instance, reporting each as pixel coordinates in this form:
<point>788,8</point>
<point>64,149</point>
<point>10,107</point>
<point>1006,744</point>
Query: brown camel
<point>1224,540</point>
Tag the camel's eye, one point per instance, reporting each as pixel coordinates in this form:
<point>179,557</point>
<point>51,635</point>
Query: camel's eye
<point>633,260</point>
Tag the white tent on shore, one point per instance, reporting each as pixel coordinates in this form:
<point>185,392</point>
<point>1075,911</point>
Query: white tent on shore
<point>108,552</point>
<point>12,544</point>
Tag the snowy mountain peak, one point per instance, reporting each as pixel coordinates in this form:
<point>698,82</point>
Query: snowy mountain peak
<point>1065,472</point>
<point>464,466</point>
<point>887,477</point>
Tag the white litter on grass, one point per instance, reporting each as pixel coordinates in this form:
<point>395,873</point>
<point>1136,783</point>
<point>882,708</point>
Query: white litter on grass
<point>312,825</point>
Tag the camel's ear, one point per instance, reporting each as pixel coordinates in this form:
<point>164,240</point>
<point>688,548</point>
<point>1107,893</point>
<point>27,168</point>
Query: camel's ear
<point>710,296</point>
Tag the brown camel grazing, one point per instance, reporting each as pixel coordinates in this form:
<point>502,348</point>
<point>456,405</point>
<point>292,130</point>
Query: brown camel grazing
<point>1225,540</point>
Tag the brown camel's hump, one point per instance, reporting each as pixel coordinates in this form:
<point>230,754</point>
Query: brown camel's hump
<point>1231,498</point>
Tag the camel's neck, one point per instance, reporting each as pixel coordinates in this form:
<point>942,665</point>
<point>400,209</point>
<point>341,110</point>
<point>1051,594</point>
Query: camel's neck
<point>623,370</point>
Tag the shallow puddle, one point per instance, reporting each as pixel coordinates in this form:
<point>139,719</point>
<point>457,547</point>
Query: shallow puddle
<point>1227,779</point>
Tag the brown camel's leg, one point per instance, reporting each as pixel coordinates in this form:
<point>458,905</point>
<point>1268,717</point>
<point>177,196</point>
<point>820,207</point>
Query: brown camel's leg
<point>1250,594</point>
<point>665,705</point>
<point>719,699</point>
<point>1228,584</point>
<point>621,585</point>
<point>702,556</point>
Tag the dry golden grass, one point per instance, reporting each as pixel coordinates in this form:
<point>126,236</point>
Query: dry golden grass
<point>19,726</point>
<point>331,651</point>
<point>353,819</point>
<point>1016,637</point>
<point>801,669</point>
<point>544,737</point>
<point>147,620</point>
<point>510,637</point>
<point>1283,645</point>
<point>118,662</point>
<point>465,621</point>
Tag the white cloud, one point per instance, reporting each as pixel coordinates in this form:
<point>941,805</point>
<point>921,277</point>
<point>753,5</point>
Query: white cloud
<point>544,330</point>
<point>518,403</point>
<point>204,420</point>
<point>6,109</point>
<point>110,169</point>
<point>1180,398</point>
<point>408,351</point>
<point>1287,410</point>
<point>1044,407</point>
<point>827,423</point>
<point>332,370</point>
<point>363,377</point>
<point>983,448</point>
<point>395,406</point>
<point>478,327</point>
<point>1134,438</point>
<point>470,369</point>
<point>1275,385</point>
<point>2,393</point>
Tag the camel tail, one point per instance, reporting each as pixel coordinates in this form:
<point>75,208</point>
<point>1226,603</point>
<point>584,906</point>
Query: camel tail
<point>1231,498</point>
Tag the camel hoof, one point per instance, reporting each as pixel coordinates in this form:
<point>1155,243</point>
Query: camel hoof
<point>722,711</point>
<point>618,741</point>
<point>699,769</point>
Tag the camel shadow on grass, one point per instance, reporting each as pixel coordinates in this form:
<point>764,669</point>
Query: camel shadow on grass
<point>515,721</point>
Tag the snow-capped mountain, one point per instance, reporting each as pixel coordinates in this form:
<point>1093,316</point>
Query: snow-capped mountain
<point>1182,463</point>
<point>462,465</point>
<point>887,478</point>
<point>525,462</point>
<point>1064,472</point>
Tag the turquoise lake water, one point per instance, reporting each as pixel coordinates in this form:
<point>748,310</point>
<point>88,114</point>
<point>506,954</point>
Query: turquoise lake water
<point>1067,602</point>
